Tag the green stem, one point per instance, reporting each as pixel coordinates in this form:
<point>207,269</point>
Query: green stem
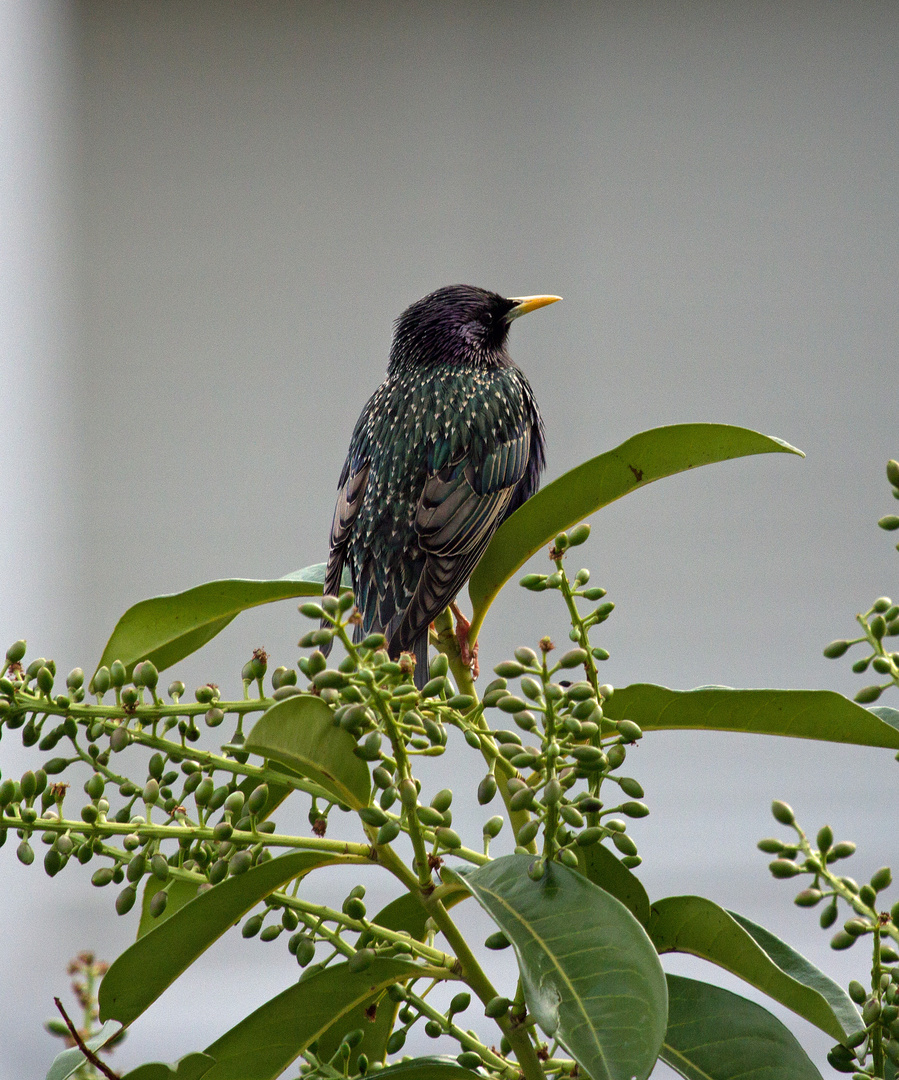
<point>465,1040</point>
<point>577,624</point>
<point>348,853</point>
<point>876,1042</point>
<point>477,979</point>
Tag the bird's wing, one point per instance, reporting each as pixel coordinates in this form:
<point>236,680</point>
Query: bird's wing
<point>460,507</point>
<point>349,500</point>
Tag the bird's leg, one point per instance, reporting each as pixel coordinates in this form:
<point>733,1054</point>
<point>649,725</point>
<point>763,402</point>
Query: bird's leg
<point>467,653</point>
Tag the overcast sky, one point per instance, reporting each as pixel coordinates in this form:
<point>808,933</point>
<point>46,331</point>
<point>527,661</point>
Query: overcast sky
<point>211,216</point>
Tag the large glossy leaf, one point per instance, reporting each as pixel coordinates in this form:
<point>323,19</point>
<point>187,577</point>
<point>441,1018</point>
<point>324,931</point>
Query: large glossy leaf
<point>605,870</point>
<point>591,977</point>
<point>439,1067</point>
<point>70,1061</point>
<point>154,961</point>
<point>264,1043</point>
<point>801,714</point>
<point>299,733</point>
<point>581,491</point>
<point>692,924</point>
<point>179,893</point>
<point>191,1067</point>
<point>716,1035</point>
<point>167,628</point>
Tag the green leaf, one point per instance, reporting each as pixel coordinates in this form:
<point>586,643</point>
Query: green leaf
<point>604,869</point>
<point>801,714</point>
<point>581,491</point>
<point>406,912</point>
<point>430,1068</point>
<point>887,714</point>
<point>299,733</point>
<point>71,1060</point>
<point>137,978</point>
<point>179,892</point>
<point>716,1035</point>
<point>264,1043</point>
<point>591,977</point>
<point>191,1067</point>
<point>692,924</point>
<point>167,628</point>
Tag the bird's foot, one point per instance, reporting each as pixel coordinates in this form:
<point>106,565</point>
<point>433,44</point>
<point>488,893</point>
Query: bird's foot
<point>468,654</point>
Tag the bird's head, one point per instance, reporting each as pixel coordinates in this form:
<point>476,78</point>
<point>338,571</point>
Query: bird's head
<point>458,324</point>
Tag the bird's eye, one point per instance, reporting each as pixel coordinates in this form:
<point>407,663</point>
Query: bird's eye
<point>487,319</point>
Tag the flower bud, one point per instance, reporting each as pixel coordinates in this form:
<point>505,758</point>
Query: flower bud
<point>102,877</point>
<point>629,731</point>
<point>101,682</point>
<point>509,669</point>
<point>868,694</point>
<point>240,863</point>
<point>784,868</point>
<point>842,941</point>
<point>493,826</point>
<point>573,658</point>
<point>836,649</point>
<point>808,898</point>
<point>783,812</point>
<point>829,915</point>
<point>16,651</point>
<point>258,798</point>
<point>487,789</point>
<point>442,800</point>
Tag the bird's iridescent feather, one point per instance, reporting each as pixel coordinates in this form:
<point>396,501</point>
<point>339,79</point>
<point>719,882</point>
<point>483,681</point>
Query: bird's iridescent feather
<point>446,448</point>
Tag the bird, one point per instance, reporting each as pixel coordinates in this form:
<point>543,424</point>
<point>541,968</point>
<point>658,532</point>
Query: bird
<point>450,444</point>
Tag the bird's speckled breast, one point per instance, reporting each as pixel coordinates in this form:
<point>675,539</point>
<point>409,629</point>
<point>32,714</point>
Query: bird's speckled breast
<point>412,427</point>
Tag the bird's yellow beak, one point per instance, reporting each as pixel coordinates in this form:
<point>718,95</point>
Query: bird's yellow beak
<point>524,304</point>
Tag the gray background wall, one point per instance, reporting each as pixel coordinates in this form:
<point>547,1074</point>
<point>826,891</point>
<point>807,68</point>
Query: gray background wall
<point>212,214</point>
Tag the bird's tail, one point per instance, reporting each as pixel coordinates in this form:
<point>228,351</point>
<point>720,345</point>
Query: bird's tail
<point>419,650</point>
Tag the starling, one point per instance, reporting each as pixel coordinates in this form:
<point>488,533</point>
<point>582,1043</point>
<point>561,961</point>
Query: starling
<point>449,445</point>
